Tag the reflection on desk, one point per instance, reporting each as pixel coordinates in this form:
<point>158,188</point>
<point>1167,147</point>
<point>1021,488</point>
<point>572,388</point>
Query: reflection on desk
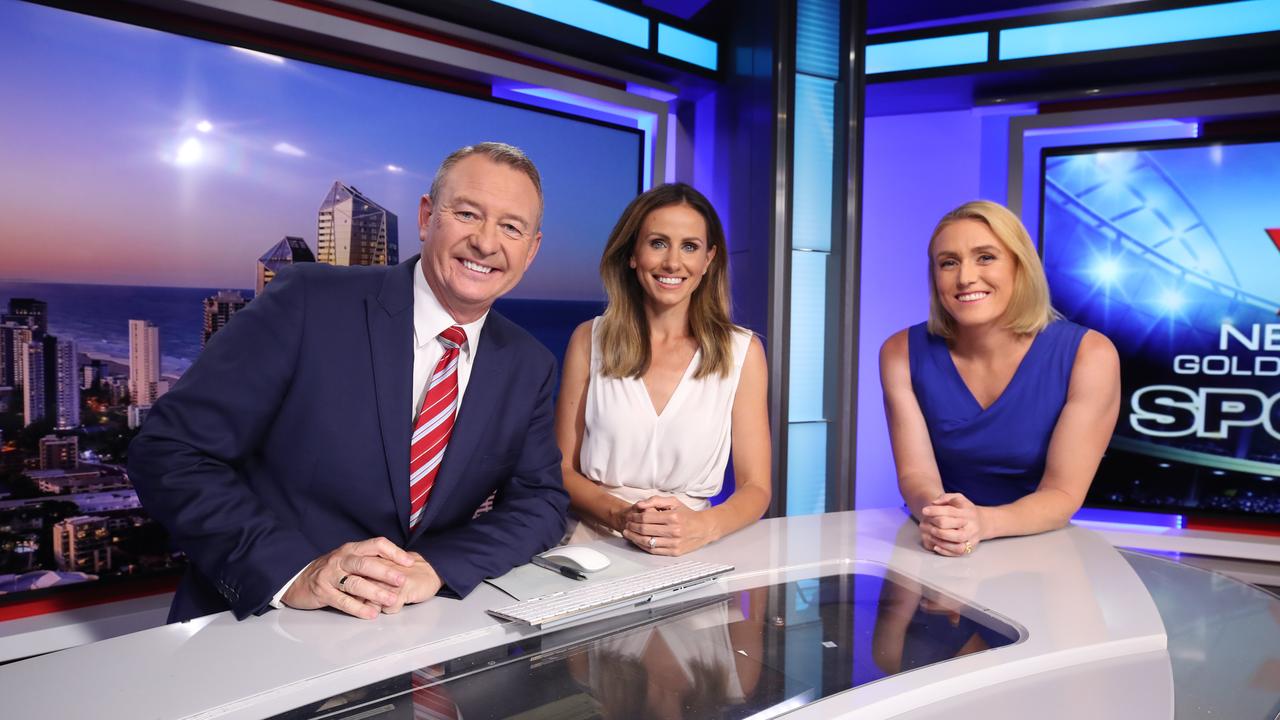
<point>749,654</point>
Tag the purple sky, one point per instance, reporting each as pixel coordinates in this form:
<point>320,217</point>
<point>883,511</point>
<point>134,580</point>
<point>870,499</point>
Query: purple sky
<point>109,176</point>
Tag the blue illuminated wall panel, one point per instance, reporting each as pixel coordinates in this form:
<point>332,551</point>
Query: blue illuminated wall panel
<point>927,53</point>
<point>1163,26</point>
<point>813,163</point>
<point>808,335</point>
<point>590,15</point>
<point>812,189</point>
<point>676,43</point>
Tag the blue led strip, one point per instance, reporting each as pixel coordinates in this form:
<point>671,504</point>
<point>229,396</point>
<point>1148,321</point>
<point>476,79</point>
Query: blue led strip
<point>1129,518</point>
<point>1150,28</point>
<point>681,45</point>
<point>927,53</point>
<point>590,15</point>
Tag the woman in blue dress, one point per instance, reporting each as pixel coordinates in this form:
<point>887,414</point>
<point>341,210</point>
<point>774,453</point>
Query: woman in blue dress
<point>999,410</point>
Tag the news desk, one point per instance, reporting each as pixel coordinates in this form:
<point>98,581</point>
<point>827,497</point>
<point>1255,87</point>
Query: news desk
<point>1090,632</point>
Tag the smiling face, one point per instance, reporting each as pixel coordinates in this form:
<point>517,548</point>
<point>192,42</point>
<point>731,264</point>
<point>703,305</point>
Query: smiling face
<point>479,235</point>
<point>974,273</point>
<point>671,255</point>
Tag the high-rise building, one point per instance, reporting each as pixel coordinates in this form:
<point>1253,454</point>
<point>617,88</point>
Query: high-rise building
<point>65,386</point>
<point>117,387</point>
<point>28,311</point>
<point>14,339</point>
<point>288,251</point>
<point>91,374</point>
<point>144,362</point>
<point>35,398</point>
<point>218,310</point>
<point>137,414</point>
<point>59,453</point>
<point>354,230</point>
<point>82,544</point>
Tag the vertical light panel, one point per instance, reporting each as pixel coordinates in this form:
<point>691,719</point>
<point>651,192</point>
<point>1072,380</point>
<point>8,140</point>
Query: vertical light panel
<point>813,160</point>
<point>818,38</point>
<point>812,189</point>
<point>808,319</point>
<point>806,468</point>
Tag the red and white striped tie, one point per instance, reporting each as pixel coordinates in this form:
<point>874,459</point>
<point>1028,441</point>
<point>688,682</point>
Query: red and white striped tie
<point>434,424</point>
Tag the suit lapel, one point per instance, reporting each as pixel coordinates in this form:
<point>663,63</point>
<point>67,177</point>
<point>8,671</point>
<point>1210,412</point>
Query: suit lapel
<point>390,320</point>
<point>483,396</point>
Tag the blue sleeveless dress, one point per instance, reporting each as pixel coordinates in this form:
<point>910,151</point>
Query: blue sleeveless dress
<point>997,455</point>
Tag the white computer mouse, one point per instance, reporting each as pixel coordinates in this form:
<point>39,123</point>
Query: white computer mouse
<point>580,558</point>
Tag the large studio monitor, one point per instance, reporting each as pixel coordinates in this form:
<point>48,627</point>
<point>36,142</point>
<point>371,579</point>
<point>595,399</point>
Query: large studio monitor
<point>1172,250</point>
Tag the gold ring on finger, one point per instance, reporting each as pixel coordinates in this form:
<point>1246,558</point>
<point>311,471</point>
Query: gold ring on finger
<point>968,548</point>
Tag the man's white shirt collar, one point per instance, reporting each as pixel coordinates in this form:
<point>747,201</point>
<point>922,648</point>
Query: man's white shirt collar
<point>430,318</point>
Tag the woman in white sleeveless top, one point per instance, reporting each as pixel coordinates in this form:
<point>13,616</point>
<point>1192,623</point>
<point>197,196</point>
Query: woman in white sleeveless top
<point>657,390</point>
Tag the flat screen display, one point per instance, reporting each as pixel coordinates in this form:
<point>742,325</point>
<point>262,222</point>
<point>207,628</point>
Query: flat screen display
<point>1172,250</point>
<point>154,183</point>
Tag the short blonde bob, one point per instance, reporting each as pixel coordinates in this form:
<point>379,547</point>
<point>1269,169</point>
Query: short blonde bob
<point>1029,309</point>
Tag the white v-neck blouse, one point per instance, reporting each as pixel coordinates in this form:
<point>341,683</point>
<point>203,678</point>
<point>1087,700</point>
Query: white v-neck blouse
<point>636,453</point>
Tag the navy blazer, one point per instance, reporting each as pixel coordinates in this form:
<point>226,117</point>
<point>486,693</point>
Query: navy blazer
<point>289,436</point>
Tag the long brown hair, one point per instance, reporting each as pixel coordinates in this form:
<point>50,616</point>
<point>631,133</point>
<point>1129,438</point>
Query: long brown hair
<point>624,329</point>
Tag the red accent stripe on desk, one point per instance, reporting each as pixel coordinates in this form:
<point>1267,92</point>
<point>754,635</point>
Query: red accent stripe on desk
<point>1243,527</point>
<point>88,595</point>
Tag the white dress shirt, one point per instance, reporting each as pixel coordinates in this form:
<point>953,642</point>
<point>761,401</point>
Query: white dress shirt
<point>429,320</point>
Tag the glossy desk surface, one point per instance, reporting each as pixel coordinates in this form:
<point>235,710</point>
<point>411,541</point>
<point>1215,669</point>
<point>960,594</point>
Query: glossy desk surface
<point>1094,643</point>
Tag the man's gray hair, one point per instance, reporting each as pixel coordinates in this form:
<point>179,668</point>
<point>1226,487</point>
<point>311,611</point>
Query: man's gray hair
<point>498,152</point>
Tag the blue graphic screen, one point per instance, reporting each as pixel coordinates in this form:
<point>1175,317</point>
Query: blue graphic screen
<point>1172,250</point>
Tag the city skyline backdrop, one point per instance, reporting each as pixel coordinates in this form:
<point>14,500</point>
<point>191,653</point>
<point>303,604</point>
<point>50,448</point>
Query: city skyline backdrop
<point>140,157</point>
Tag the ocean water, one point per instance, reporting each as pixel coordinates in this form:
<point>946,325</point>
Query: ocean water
<point>550,321</point>
<point>97,317</point>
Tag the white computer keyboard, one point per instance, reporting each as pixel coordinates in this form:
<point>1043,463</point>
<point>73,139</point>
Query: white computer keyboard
<point>594,598</point>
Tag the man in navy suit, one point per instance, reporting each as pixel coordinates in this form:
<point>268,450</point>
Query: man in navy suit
<point>280,462</point>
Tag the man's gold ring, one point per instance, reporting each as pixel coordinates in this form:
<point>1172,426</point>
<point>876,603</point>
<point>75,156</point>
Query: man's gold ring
<point>653,542</point>
<point>968,548</point>
<point>342,583</point>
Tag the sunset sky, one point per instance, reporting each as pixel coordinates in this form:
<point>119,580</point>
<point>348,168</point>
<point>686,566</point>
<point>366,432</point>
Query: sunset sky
<point>133,156</point>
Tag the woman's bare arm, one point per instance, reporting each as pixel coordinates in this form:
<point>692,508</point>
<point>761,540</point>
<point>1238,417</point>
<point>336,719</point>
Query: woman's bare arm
<point>588,499</point>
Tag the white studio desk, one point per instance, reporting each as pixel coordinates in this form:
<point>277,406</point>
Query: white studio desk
<point>1093,643</point>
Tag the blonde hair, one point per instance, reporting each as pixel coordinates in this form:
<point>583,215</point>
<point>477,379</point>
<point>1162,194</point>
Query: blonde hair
<point>624,329</point>
<point>1029,309</point>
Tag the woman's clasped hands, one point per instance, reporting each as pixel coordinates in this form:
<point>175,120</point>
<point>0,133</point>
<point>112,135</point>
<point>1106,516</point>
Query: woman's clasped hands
<point>662,525</point>
<point>951,525</point>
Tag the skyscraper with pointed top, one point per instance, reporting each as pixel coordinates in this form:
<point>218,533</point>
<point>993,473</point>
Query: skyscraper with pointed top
<point>354,230</point>
<point>288,251</point>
